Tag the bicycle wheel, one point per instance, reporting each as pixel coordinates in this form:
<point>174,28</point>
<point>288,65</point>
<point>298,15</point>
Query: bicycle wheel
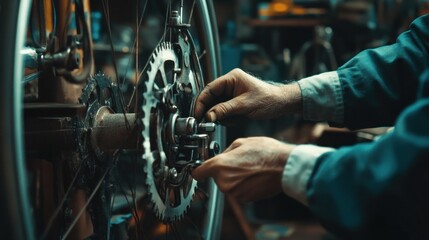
<point>100,95</point>
<point>16,220</point>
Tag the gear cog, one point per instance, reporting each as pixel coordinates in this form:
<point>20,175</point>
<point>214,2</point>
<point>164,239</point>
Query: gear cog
<point>165,99</point>
<point>99,93</point>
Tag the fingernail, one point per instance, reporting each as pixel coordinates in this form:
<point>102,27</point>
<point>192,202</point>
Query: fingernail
<point>212,116</point>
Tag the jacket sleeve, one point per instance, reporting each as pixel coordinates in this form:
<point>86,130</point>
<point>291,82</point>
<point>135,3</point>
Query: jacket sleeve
<point>378,190</point>
<point>379,83</point>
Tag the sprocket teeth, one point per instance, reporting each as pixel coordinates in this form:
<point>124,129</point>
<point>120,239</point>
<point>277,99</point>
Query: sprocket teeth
<point>166,213</point>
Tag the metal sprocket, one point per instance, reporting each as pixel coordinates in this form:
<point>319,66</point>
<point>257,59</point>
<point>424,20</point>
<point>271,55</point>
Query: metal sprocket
<point>170,202</point>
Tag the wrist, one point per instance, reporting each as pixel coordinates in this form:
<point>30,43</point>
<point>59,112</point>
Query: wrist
<point>291,98</point>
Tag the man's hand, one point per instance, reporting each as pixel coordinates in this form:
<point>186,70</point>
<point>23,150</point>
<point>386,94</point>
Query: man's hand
<point>250,169</point>
<point>238,94</point>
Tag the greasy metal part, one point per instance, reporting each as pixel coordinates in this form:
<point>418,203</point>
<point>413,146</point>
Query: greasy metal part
<point>82,135</point>
<point>99,135</point>
<point>68,59</point>
<point>202,143</point>
<point>102,128</point>
<point>206,127</point>
<point>171,134</point>
<point>170,202</point>
<point>178,143</point>
<point>110,131</point>
<point>62,85</point>
<point>175,21</point>
<point>174,18</point>
<point>59,133</point>
<point>81,42</point>
<point>30,58</point>
<point>172,174</point>
<point>185,126</point>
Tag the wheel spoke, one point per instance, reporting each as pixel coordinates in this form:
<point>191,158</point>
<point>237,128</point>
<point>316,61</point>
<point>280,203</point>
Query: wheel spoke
<point>112,203</point>
<point>131,206</point>
<point>203,53</point>
<point>60,206</point>
<point>70,228</point>
<point>192,12</point>
<point>106,8</point>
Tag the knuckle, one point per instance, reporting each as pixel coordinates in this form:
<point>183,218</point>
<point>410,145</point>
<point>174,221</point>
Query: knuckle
<point>208,86</point>
<point>236,72</point>
<point>225,107</point>
<point>238,142</point>
<point>228,106</point>
<point>222,108</point>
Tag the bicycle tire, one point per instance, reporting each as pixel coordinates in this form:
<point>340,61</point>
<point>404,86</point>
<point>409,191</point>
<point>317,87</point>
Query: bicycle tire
<point>16,221</point>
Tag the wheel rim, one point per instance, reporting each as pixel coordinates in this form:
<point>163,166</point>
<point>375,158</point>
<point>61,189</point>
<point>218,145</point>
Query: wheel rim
<point>214,218</point>
<point>18,222</point>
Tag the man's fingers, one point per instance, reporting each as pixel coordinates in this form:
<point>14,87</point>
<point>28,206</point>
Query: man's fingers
<point>214,92</point>
<point>209,96</point>
<point>226,110</point>
<point>200,108</point>
<point>204,101</point>
<point>202,172</point>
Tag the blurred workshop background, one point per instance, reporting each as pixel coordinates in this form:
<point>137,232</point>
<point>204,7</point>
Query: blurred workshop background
<point>277,40</point>
<point>285,40</point>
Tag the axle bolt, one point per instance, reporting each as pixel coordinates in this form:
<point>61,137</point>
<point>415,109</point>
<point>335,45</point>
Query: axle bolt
<point>207,127</point>
<point>172,173</point>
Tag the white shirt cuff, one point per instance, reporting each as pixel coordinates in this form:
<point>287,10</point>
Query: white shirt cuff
<point>322,98</point>
<point>298,169</point>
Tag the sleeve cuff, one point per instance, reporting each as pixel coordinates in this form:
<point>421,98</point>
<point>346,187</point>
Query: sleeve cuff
<point>299,168</point>
<point>322,98</point>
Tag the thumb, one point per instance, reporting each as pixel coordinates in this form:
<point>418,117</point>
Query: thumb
<point>225,110</point>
